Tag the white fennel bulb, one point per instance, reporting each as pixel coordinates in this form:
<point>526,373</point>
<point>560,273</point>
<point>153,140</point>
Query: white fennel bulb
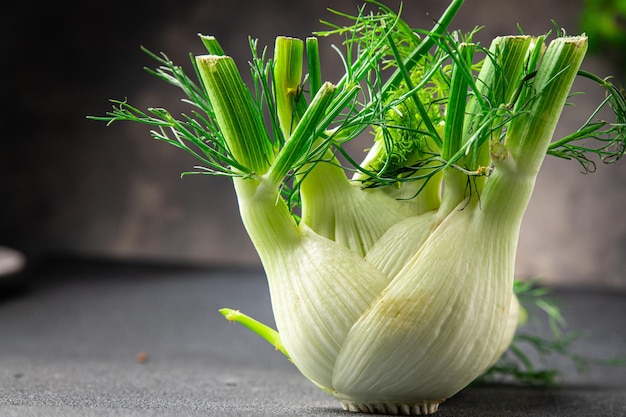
<point>391,280</point>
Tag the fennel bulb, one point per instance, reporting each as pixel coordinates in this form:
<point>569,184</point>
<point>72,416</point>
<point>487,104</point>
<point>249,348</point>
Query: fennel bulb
<point>391,280</point>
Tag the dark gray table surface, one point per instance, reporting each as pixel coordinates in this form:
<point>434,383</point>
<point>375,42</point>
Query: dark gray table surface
<point>70,336</point>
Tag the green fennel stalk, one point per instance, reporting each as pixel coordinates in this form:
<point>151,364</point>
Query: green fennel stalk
<point>391,279</point>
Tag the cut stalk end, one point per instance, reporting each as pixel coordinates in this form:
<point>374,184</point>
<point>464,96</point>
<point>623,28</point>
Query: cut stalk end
<point>413,408</point>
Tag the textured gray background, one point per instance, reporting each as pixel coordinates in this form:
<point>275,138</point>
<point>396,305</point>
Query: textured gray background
<point>71,185</point>
<point>69,346</point>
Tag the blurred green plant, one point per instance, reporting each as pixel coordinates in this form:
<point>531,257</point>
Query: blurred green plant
<point>604,22</point>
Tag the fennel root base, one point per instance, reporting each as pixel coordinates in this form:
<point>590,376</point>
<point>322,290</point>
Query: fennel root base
<point>419,408</point>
